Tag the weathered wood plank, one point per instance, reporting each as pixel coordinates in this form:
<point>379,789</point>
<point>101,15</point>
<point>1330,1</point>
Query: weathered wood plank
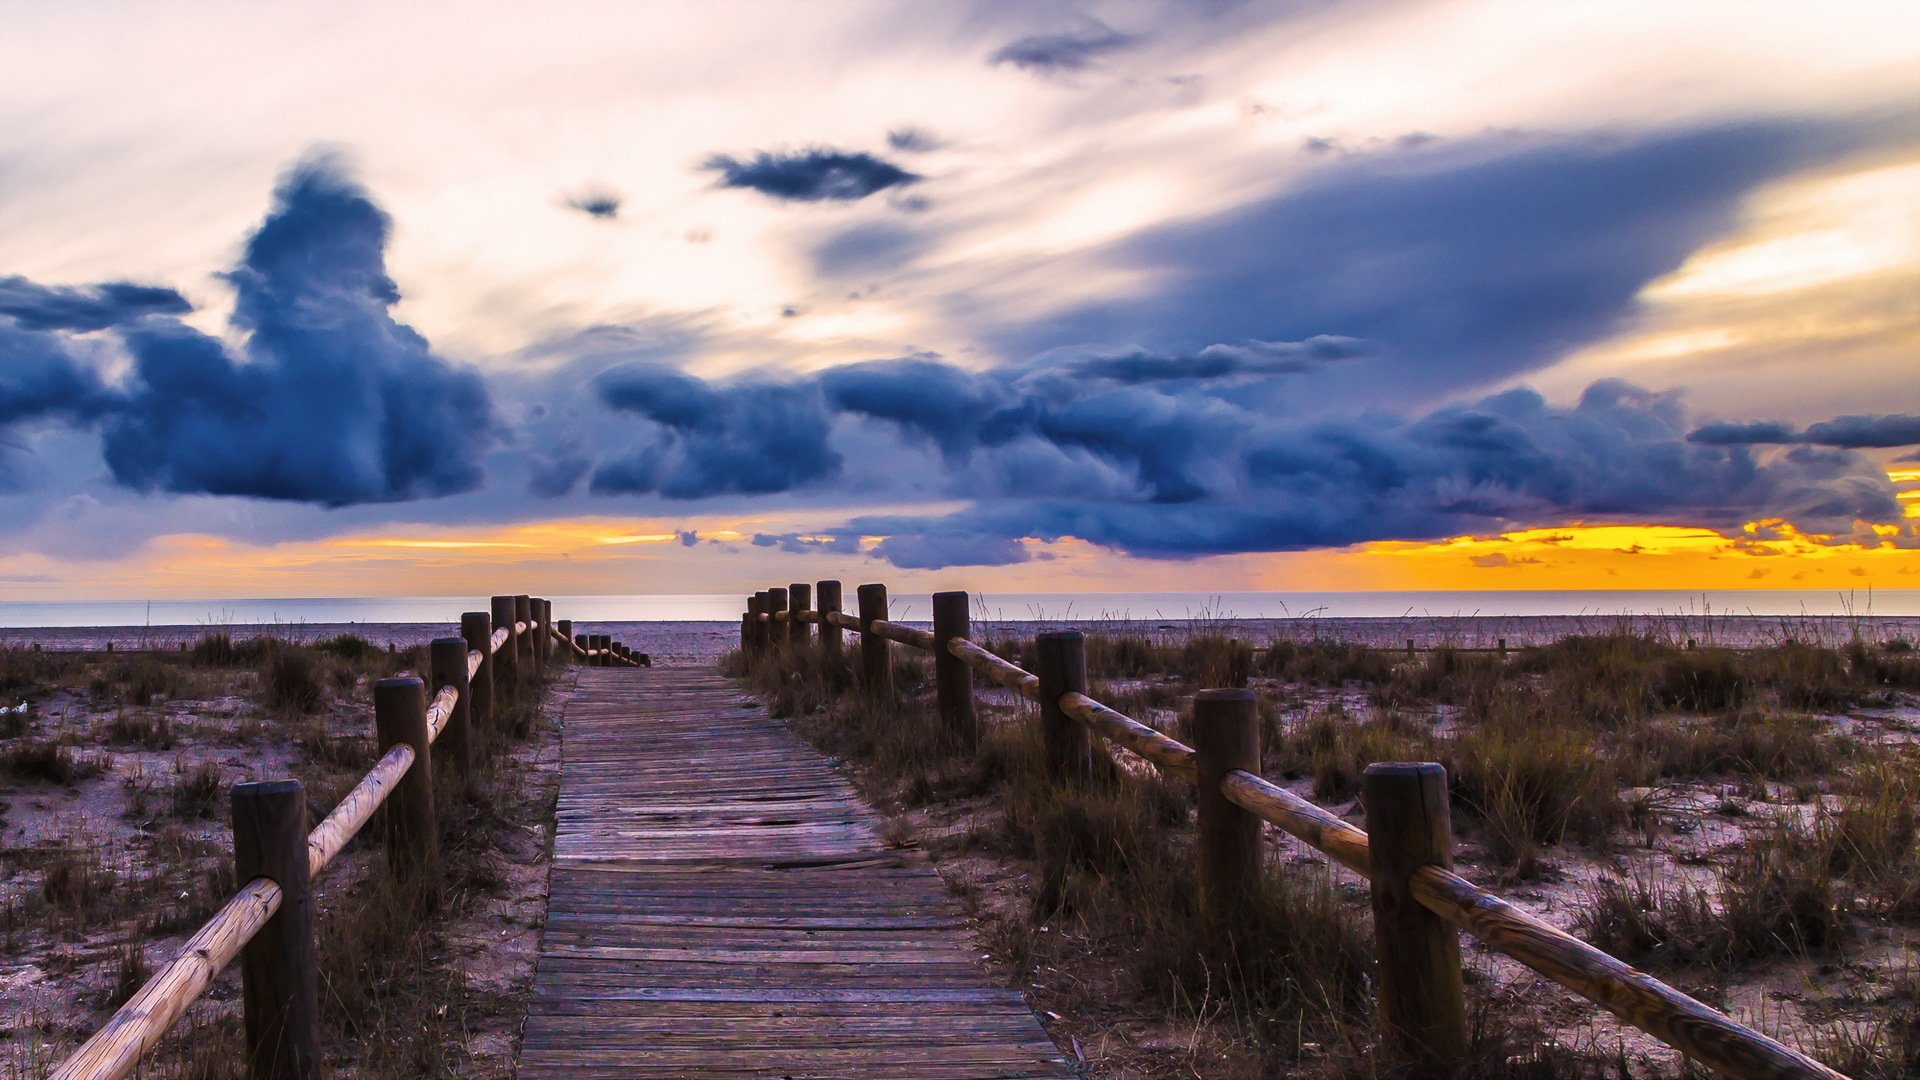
<point>721,904</point>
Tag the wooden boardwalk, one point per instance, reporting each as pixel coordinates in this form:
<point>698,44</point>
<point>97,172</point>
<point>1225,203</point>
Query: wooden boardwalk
<point>721,905</point>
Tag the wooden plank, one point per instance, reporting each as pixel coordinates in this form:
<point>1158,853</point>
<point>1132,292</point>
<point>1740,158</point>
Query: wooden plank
<point>721,904</point>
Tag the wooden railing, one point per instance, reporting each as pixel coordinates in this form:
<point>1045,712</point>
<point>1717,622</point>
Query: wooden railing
<point>1419,903</point>
<point>268,923</point>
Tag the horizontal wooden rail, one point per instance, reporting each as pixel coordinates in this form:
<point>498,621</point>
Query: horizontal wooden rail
<point>1682,1022</point>
<point>1007,674</point>
<point>905,635</point>
<point>501,637</point>
<point>441,711</point>
<point>115,1050</point>
<point>474,660</point>
<point>330,837</point>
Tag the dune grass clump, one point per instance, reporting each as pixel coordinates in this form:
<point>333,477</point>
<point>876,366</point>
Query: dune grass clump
<point>292,679</point>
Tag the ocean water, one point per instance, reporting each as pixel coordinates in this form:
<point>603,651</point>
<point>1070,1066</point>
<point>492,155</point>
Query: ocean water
<point>998,607</point>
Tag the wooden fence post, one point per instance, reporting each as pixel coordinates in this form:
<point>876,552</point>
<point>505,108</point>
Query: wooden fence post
<point>952,676</point>
<point>523,641</point>
<point>565,627</point>
<point>746,626</point>
<point>776,633</point>
<point>876,661</point>
<point>447,660</point>
<point>507,675</point>
<point>278,973</point>
<point>759,607</point>
<point>1060,660</point>
<point>1226,736</point>
<point>604,642</point>
<point>543,637</point>
<point>585,641</point>
<point>1423,1009</point>
<point>827,599</point>
<point>413,845</point>
<point>799,600</point>
<point>477,630</point>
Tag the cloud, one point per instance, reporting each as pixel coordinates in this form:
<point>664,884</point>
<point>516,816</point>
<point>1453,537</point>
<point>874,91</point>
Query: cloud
<point>811,175</point>
<point>1852,432</point>
<point>799,544</point>
<point>1200,464</point>
<point>553,476</point>
<point>1461,267</point>
<point>1866,431</point>
<point>598,202</point>
<point>94,307</point>
<point>1220,361</point>
<point>39,378</point>
<point>750,437</point>
<point>1049,54</point>
<point>1743,433</point>
<point>687,538</point>
<point>912,140</point>
<point>331,401</point>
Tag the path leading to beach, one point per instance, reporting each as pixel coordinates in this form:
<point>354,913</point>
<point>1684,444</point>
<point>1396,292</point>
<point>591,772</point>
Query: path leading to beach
<point>722,905</point>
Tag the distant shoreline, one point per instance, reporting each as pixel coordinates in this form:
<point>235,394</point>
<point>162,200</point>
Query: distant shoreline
<point>691,641</point>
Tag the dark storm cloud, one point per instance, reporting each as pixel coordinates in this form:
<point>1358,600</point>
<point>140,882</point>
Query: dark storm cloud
<point>333,402</point>
<point>1051,53</point>
<point>552,476</point>
<point>1743,433</point>
<point>1219,361</point>
<point>714,438</point>
<point>810,175</point>
<point>94,307</point>
<point>1866,431</point>
<point>1460,266</point>
<point>1850,432</point>
<point>38,378</point>
<point>596,202</point>
<point>1192,465</point>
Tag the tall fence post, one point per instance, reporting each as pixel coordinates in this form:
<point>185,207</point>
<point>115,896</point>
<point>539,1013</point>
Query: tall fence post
<point>827,599</point>
<point>447,660</point>
<point>413,845</point>
<point>507,674</point>
<point>1060,660</point>
<point>1226,736</point>
<point>876,661</point>
<point>776,633</point>
<point>746,626</point>
<point>759,607</point>
<point>952,676</point>
<point>604,642</point>
<point>565,627</point>
<point>1423,1010</point>
<point>477,630</point>
<point>523,639</point>
<point>278,974</point>
<point>799,601</point>
<point>543,637</point>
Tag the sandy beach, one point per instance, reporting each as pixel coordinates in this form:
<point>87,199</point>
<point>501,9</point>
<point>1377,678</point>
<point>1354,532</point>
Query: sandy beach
<point>691,642</point>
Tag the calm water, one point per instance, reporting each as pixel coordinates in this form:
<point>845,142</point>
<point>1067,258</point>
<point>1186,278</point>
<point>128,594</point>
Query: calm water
<point>991,606</point>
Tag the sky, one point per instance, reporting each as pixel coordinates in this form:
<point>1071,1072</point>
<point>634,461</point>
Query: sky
<point>322,299</point>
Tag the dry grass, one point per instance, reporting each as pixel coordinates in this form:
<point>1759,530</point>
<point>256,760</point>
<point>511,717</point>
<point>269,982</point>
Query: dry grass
<point>1562,757</point>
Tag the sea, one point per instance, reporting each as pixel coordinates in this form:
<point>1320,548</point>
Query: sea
<point>214,614</point>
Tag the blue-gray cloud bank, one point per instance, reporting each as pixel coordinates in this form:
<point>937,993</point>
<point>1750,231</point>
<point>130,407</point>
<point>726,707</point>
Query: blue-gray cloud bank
<point>813,175</point>
<point>328,400</point>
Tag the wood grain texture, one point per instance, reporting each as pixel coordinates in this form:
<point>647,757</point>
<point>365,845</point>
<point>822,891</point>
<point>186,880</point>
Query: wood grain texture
<point>722,905</point>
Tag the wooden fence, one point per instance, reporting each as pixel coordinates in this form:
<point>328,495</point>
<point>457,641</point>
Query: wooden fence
<point>268,923</point>
<point>1419,903</point>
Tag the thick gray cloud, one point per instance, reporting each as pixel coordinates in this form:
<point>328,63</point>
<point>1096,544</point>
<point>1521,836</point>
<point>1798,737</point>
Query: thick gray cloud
<point>94,307</point>
<point>329,401</point>
<point>1179,457</point>
<point>811,175</point>
<point>1853,432</point>
<point>1051,53</point>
